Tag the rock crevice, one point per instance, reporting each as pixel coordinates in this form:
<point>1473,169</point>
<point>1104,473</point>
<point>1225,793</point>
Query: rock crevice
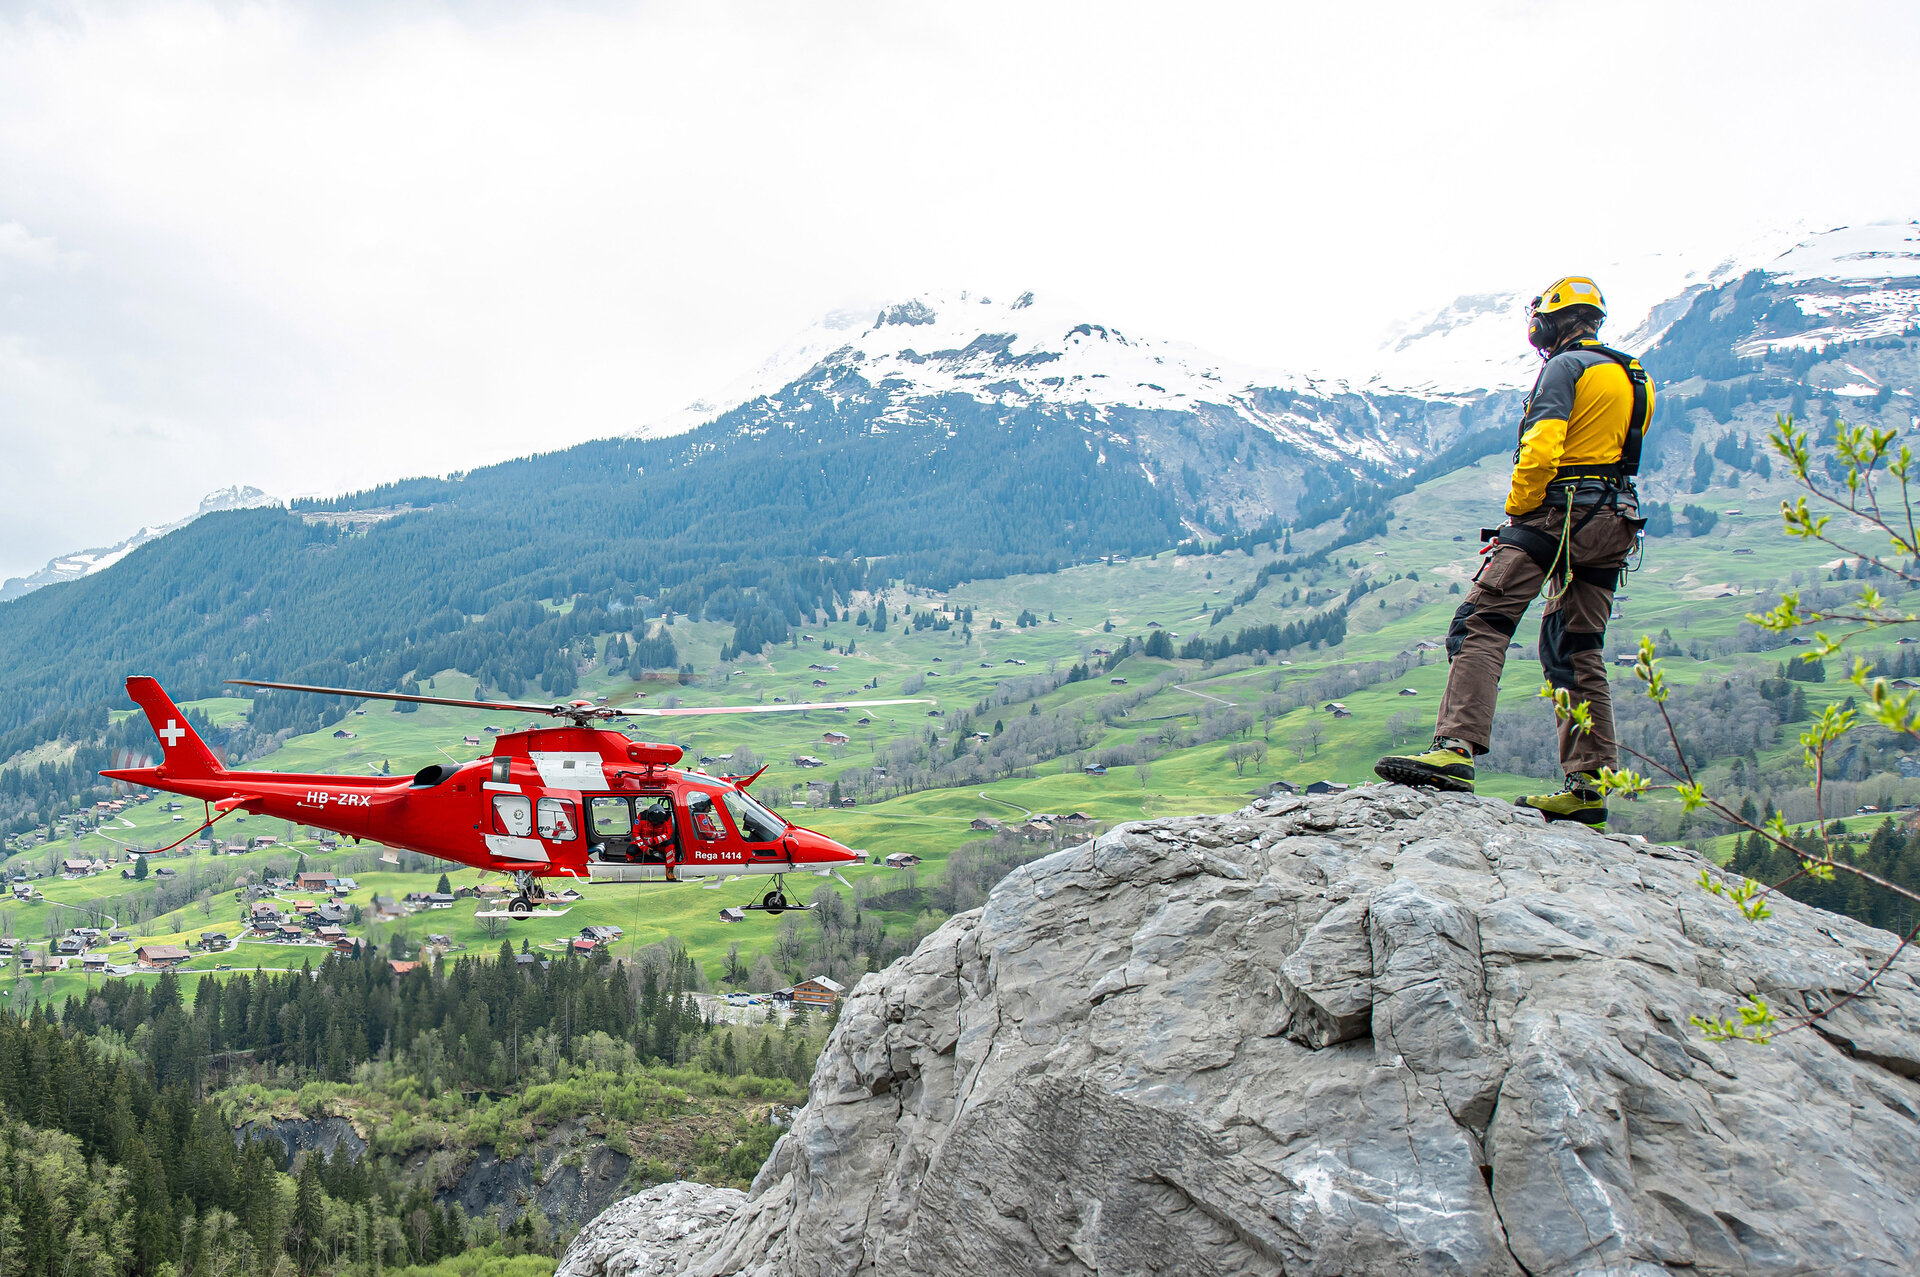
<point>1375,1032</point>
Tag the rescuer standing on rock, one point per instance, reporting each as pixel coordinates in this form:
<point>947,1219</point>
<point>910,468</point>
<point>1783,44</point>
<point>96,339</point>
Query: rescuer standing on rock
<point>1573,517</point>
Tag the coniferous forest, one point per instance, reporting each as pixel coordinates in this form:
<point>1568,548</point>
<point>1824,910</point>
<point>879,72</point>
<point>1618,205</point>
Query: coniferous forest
<point>117,1117</point>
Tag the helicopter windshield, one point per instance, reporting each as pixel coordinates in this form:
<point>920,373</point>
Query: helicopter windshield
<point>755,823</point>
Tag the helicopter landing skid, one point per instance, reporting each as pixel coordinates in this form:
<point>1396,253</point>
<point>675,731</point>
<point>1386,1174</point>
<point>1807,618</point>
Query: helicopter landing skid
<point>526,903</point>
<point>775,901</point>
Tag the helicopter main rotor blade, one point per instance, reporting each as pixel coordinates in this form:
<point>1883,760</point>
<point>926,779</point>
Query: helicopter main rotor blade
<point>523,707</point>
<point>571,711</point>
<point>690,710</point>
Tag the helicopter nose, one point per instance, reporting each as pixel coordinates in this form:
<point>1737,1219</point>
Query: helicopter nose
<point>818,849</point>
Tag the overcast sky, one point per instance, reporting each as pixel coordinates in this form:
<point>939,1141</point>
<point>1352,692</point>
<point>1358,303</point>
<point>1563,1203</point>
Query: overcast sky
<point>311,247</point>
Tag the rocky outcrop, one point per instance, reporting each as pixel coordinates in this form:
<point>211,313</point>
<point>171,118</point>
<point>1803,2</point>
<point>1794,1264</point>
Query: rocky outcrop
<point>571,1175</point>
<point>1375,1032</point>
<point>305,1134</point>
<point>650,1234</point>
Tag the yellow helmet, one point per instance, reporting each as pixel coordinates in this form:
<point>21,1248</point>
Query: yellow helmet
<point>1564,299</point>
<point>1574,290</point>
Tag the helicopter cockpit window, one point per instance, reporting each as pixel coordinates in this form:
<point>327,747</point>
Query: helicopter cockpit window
<point>513,814</point>
<point>700,814</point>
<point>556,819</point>
<point>755,823</point>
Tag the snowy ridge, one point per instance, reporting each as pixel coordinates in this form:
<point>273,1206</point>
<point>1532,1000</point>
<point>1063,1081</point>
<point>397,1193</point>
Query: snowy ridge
<point>1479,340</point>
<point>71,567</point>
<point>1021,351</point>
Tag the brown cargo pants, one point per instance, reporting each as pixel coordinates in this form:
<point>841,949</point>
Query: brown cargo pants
<point>1573,633</point>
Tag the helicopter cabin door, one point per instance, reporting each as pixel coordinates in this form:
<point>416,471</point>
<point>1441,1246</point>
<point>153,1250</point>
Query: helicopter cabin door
<point>632,839</point>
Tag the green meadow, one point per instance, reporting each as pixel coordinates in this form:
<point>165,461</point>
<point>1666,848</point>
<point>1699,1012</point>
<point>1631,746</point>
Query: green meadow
<point>1695,589</point>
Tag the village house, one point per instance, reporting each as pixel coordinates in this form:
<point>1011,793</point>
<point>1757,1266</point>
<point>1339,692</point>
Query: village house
<point>819,991</point>
<point>158,956</point>
<point>94,963</point>
<point>213,940</point>
<point>985,824</point>
<point>902,860</point>
<point>314,882</point>
<point>605,934</point>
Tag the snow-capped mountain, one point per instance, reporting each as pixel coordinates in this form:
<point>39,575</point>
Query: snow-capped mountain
<point>71,567</point>
<point>1177,410</point>
<point>1853,283</point>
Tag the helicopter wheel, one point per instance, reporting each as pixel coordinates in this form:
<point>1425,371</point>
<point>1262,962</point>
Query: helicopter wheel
<point>520,906</point>
<point>774,901</point>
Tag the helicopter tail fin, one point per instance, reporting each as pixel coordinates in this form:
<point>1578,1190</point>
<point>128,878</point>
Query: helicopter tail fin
<point>185,754</point>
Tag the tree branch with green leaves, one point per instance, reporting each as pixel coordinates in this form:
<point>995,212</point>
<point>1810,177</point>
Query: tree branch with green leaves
<point>1871,462</point>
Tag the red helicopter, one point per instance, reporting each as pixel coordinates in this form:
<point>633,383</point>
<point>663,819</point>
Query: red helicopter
<point>578,802</point>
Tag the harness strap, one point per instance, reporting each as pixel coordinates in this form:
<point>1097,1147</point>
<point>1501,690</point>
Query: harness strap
<point>1544,550</point>
<point>1537,545</point>
<point>1637,420</point>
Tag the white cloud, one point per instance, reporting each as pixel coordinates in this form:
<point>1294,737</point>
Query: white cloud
<point>311,248</point>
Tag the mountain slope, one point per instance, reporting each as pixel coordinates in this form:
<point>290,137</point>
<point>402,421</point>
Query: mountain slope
<point>900,456</point>
<point>1255,439</point>
<point>71,567</point>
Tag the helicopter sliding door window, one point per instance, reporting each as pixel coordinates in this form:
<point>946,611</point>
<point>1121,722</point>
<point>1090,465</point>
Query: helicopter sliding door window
<point>612,818</point>
<point>701,816</point>
<point>513,814</point>
<point>556,819</point>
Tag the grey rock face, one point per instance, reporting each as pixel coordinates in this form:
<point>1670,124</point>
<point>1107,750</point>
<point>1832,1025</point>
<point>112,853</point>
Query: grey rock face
<point>303,1134</point>
<point>571,1176</point>
<point>1375,1032</point>
<point>649,1234</point>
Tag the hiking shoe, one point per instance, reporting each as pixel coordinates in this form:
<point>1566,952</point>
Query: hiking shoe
<point>1580,800</point>
<point>1448,765</point>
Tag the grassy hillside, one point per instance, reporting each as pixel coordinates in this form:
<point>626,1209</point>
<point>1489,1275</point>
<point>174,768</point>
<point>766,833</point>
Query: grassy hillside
<point>1177,718</point>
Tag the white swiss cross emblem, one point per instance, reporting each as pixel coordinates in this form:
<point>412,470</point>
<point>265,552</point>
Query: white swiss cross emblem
<point>171,733</point>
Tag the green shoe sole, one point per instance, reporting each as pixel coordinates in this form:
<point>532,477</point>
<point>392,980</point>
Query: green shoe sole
<point>1594,818</point>
<point>1411,771</point>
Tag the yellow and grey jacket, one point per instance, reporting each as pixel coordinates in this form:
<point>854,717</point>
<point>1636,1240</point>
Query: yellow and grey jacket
<point>1576,418</point>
